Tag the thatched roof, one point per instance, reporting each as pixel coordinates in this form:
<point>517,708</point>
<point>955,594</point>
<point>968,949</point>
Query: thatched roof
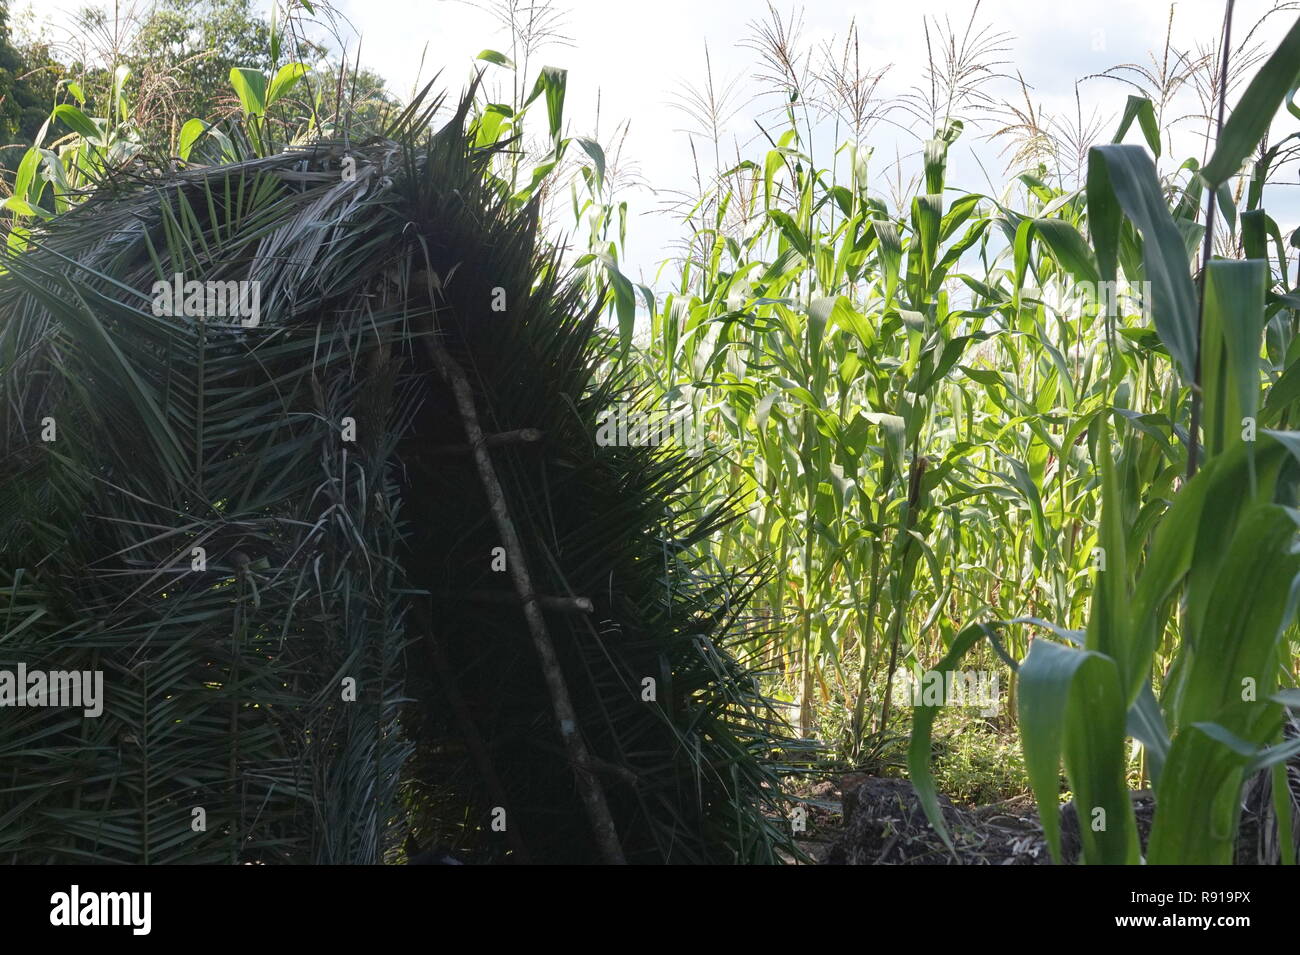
<point>321,461</point>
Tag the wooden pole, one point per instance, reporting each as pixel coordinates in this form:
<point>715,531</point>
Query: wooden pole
<point>589,787</point>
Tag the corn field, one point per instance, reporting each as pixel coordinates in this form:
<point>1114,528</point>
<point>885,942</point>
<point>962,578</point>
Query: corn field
<point>877,478</point>
<point>959,422</point>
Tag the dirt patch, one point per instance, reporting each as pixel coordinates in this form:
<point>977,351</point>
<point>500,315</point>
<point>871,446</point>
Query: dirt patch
<point>883,823</point>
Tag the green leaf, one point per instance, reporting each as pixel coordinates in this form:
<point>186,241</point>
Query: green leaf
<point>597,154</point>
<point>1147,725</point>
<point>918,750</point>
<point>1125,175</point>
<point>1237,637</point>
<point>624,300</point>
<point>1108,625</point>
<point>79,123</point>
<point>23,208</point>
<point>936,161</point>
<point>927,216</point>
<point>190,133</point>
<point>250,87</point>
<point>498,59</point>
<point>1230,344</point>
<point>1069,249</point>
<point>27,185</point>
<point>790,229</point>
<point>891,255</point>
<point>1271,756</point>
<point>895,437</point>
<point>552,82</point>
<point>1141,109</point>
<point>286,78</point>
<point>1167,562</point>
<point>1070,703</point>
<point>1198,798</point>
<point>491,123</point>
<point>120,76</point>
<point>1255,110</point>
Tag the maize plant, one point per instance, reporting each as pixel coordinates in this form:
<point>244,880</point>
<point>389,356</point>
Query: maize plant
<point>1030,417</point>
<point>1204,567</point>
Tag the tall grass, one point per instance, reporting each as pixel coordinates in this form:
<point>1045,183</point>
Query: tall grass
<point>952,415</point>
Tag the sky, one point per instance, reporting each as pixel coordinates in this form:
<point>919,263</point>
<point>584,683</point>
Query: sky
<point>636,58</point>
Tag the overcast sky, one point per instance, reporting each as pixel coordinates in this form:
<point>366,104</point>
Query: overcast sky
<point>638,55</point>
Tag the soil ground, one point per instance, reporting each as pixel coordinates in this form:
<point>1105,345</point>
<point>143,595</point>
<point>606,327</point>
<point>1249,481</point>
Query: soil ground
<point>858,819</point>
